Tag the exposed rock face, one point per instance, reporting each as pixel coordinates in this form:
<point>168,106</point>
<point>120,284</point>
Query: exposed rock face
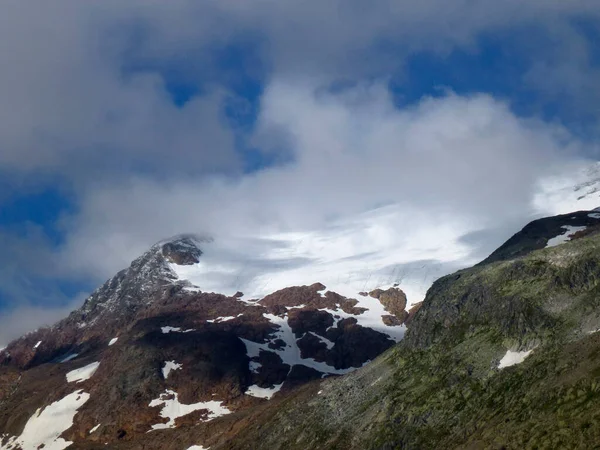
<point>537,234</point>
<point>412,312</point>
<point>304,321</point>
<point>198,367</point>
<point>394,301</point>
<point>445,385</point>
<point>522,296</point>
<point>184,251</point>
<point>391,320</point>
<point>157,340</point>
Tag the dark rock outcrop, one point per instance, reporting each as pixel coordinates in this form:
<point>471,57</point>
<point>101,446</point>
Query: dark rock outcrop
<point>156,338</point>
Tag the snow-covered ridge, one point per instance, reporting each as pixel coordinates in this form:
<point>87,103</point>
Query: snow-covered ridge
<point>348,257</point>
<point>359,254</point>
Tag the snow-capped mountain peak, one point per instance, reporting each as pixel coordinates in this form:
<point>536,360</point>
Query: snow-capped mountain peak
<point>183,249</point>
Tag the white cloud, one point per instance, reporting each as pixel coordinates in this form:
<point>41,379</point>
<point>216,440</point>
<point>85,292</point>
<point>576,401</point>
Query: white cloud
<point>71,107</point>
<point>576,187</point>
<point>467,163</point>
<point>138,166</point>
<point>15,322</point>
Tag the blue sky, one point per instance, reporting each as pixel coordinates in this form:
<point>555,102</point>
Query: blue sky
<point>131,108</point>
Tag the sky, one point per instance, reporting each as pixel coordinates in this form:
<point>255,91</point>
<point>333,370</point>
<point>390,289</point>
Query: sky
<point>392,133</point>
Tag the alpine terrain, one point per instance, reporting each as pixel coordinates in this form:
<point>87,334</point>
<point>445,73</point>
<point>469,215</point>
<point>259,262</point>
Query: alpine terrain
<point>151,360</point>
<point>500,355</point>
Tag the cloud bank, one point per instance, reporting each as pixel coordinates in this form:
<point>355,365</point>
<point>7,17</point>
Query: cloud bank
<point>343,169</point>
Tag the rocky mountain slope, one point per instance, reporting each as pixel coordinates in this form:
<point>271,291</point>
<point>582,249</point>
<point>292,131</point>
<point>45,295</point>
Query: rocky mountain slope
<point>500,355</point>
<point>503,355</point>
<point>149,356</point>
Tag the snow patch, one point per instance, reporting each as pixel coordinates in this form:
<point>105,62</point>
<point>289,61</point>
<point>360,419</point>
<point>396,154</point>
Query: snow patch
<point>594,215</point>
<point>83,373</point>
<point>94,429</point>
<point>167,330</point>
<point>223,319</point>
<point>360,253</point>
<point>37,345</point>
<point>169,366</point>
<point>198,447</point>
<point>172,409</point>
<point>290,354</point>
<point>254,366</point>
<point>113,341</point>
<point>69,357</point>
<point>564,237</point>
<point>513,358</point>
<point>47,424</point>
<point>324,340</point>
<point>267,393</point>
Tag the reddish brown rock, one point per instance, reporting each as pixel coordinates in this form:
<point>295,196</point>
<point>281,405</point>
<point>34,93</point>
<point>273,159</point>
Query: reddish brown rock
<point>303,321</point>
<point>182,252</point>
<point>376,293</point>
<point>394,301</point>
<point>412,311</point>
<point>391,321</point>
<point>205,334</point>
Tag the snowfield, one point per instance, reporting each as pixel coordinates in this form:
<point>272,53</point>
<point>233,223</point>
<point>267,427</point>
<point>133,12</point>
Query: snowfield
<point>172,409</point>
<point>168,367</point>
<point>256,391</point>
<point>576,189</point>
<point>83,373</point>
<point>290,354</point>
<point>348,256</point>
<point>47,424</point>
<point>513,358</point>
<point>564,237</point>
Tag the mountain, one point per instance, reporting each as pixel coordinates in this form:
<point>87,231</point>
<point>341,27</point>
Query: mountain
<point>149,355</point>
<point>499,355</point>
<point>503,355</point>
<point>546,232</point>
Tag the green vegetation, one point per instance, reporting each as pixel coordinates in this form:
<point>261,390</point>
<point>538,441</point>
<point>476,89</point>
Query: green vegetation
<point>441,387</point>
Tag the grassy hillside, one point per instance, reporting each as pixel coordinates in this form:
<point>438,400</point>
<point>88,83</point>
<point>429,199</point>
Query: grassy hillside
<point>441,387</point>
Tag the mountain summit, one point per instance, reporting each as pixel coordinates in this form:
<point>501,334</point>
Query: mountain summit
<point>499,355</point>
<point>150,351</point>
